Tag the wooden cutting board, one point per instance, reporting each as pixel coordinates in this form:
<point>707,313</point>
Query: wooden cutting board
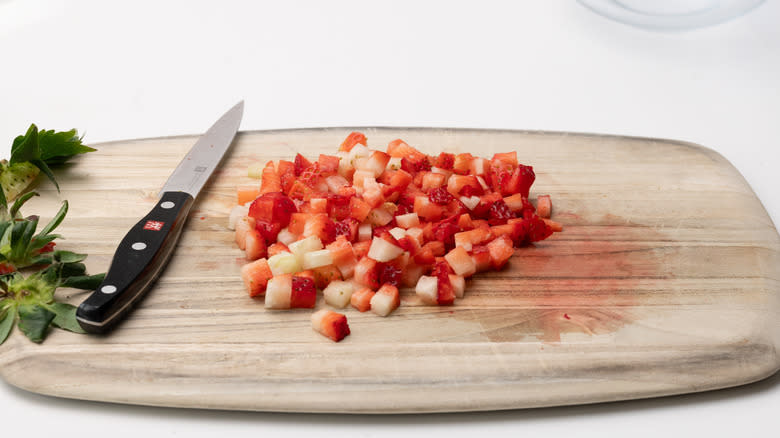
<point>664,281</point>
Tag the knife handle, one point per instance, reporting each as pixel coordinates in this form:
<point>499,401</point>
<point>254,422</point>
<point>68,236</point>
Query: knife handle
<point>137,263</point>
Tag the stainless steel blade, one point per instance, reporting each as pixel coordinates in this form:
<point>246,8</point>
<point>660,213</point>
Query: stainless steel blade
<point>195,168</point>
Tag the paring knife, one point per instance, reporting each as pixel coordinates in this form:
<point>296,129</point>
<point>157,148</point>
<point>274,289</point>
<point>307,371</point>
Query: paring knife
<point>146,248</point>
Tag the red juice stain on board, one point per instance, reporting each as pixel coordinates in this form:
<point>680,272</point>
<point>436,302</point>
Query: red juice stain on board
<point>587,281</point>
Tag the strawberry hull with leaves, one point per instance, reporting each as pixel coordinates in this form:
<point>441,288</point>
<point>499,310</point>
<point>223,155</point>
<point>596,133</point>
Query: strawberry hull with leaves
<point>31,270</point>
<point>378,220</point>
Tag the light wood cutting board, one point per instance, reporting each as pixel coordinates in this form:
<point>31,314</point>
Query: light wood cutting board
<point>664,281</point>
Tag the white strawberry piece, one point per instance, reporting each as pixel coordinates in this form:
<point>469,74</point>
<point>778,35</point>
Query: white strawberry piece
<point>416,234</point>
<point>394,163</point>
<point>284,263</point>
<point>335,182</point>
<point>408,220</point>
<point>482,183</point>
<point>379,217</point>
<point>243,225</point>
<point>338,293</point>
<point>383,251</point>
<point>458,285</point>
<point>376,163</point>
<point>385,300</point>
<point>372,192</point>
<point>365,231</point>
<point>359,178</point>
<point>236,213</point>
<point>479,166</point>
<point>397,232</point>
<point>307,244</point>
<point>318,205</point>
<point>254,245</point>
<point>460,261</point>
<point>427,289</point>
<point>278,292</point>
<point>470,202</point>
<point>286,237</point>
<point>316,259</point>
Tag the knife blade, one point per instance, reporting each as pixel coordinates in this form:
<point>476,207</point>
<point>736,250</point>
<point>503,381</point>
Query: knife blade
<point>147,247</point>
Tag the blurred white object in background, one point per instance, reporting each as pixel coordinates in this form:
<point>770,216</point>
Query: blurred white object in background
<point>671,14</point>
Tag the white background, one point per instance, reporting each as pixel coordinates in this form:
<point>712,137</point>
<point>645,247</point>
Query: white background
<point>119,70</point>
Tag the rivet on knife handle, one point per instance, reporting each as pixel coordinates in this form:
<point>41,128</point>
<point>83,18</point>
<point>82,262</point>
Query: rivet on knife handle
<point>137,263</point>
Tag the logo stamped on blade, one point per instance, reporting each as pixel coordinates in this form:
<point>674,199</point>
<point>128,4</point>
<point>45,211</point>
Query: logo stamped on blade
<point>153,225</point>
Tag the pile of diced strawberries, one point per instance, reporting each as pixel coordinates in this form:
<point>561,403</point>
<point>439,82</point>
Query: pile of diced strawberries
<point>362,223</point>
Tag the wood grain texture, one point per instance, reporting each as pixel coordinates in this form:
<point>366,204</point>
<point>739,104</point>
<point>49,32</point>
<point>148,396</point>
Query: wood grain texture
<point>664,281</point>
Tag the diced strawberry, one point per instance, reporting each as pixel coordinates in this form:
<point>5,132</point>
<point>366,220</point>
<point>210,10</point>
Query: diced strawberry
<point>361,248</point>
<point>273,207</point>
<point>372,193</point>
<point>366,273</point>
<point>389,273</point>
<point>298,222</point>
<point>359,209</point>
<point>506,158</point>
<point>255,245</point>
<point>424,256</point>
<point>499,213</point>
<point>329,164</point>
<point>343,256</point>
<point>361,299</point>
<point>445,160</point>
<point>303,294</point>
<point>444,231</point>
<point>460,261</point>
<point>276,248</point>
<point>457,185</point>
<point>330,324</point>
<point>412,273</point>
<point>479,167</point>
<point>271,182</point>
<point>515,202</point>
<point>376,163</point>
<point>446,294</point>
<point>481,256</point>
<point>440,196</point>
<point>325,274</point>
<point>537,229</point>
<point>255,276</point>
<point>543,206</point>
<point>385,300</point>
<point>318,205</point>
<point>301,164</point>
<point>398,148</point>
<point>436,247</point>
<point>320,225</point>
<point>338,206</point>
<point>462,163</point>
<point>286,171</point>
<point>347,228</point>
<point>468,239</point>
<point>351,140</point>
<point>269,230</point>
<point>399,180</point>
<point>465,222</point>
<point>430,181</point>
<point>554,226</point>
<point>427,209</point>
<point>500,250</point>
<point>414,164</point>
<point>243,225</point>
<point>482,210</point>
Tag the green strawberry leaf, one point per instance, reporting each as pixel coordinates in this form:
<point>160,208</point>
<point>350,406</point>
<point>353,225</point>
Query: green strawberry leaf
<point>65,317</point>
<point>19,202</point>
<point>58,147</point>
<point>25,147</point>
<point>7,319</point>
<point>34,321</point>
<point>68,257</point>
<point>86,282</point>
<point>55,221</point>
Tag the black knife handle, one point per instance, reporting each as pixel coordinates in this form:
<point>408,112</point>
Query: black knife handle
<point>137,262</point>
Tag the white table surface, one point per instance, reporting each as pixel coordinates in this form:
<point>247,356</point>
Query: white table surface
<point>119,70</point>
